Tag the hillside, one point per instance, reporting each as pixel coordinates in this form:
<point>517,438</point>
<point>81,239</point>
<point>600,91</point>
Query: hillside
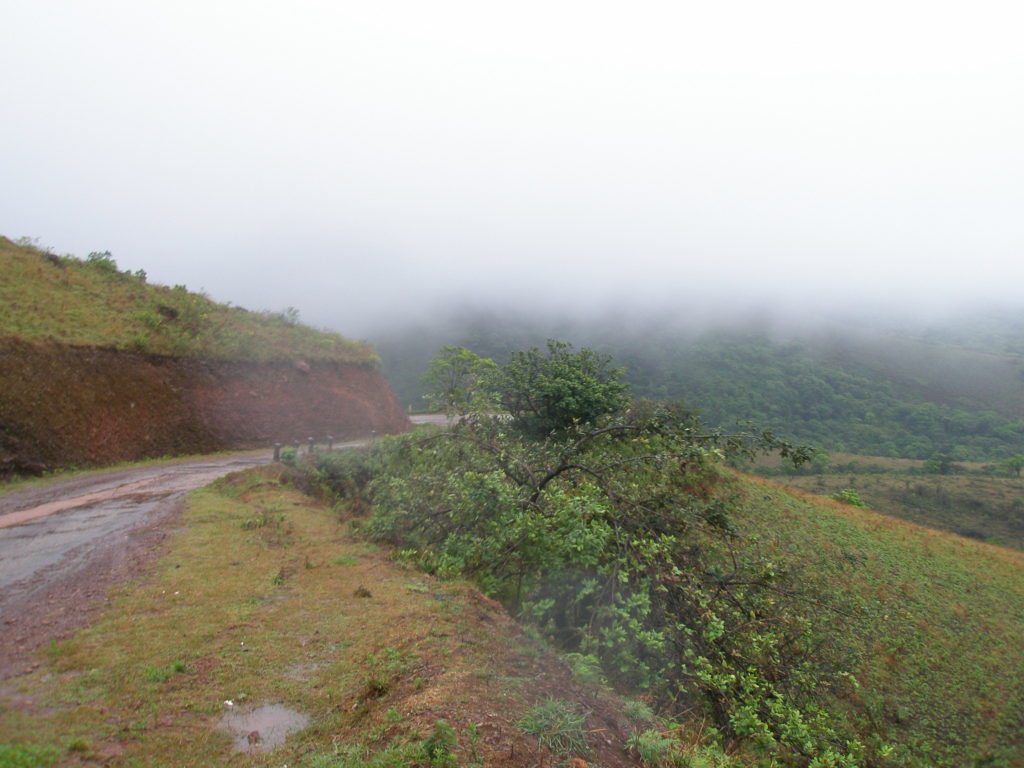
<point>787,598</point>
<point>931,623</point>
<point>50,298</point>
<point>979,506</point>
<point>764,626</point>
<point>865,388</point>
<point>97,366</point>
<point>805,631</point>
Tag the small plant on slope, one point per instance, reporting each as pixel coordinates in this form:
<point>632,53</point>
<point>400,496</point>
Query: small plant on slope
<point>558,725</point>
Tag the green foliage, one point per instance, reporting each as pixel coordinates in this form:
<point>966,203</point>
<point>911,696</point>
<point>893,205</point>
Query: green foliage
<point>102,261</point>
<point>599,538</point>
<point>347,473</point>
<point>1015,464</point>
<point>941,464</point>
<point>558,725</point>
<point>550,392</point>
<point>637,710</point>
<point>849,496</point>
<point>586,667</point>
<point>624,540</point>
<point>27,755</point>
<point>289,455</point>
<point>654,748</point>
<point>627,541</point>
<point>439,747</point>
<point>458,381</point>
<point>881,396</point>
<point>707,756</point>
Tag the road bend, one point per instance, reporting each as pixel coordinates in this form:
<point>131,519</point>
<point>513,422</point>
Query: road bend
<point>49,534</point>
<point>53,531</point>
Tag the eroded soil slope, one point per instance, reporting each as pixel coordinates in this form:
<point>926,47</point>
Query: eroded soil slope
<point>79,406</point>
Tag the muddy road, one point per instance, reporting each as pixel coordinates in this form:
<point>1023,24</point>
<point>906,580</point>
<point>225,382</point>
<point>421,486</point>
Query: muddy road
<point>63,545</point>
<point>47,531</point>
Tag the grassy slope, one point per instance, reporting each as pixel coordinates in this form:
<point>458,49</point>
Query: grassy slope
<point>61,299</point>
<point>257,601</point>
<point>935,621</point>
<point>986,508</point>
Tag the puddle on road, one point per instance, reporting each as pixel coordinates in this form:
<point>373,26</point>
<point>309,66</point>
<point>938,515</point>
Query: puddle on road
<point>264,728</point>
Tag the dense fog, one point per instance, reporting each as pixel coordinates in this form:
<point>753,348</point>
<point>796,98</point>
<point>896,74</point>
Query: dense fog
<point>361,161</point>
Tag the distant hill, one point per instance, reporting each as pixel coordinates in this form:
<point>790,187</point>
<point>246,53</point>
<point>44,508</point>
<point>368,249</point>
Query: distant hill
<point>863,389</point>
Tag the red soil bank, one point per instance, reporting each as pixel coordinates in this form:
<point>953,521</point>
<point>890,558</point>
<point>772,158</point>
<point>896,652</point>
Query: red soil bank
<point>81,406</point>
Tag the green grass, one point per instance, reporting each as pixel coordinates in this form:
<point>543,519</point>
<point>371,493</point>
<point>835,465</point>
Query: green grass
<point>989,509</point>
<point>653,747</point>
<point>557,724</point>
<point>27,755</point>
<point>932,623</point>
<point>48,298</point>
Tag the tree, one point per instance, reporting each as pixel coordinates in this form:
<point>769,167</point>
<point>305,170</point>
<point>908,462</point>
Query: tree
<point>546,393</point>
<point>1015,464</point>
<point>941,464</point>
<point>459,381</point>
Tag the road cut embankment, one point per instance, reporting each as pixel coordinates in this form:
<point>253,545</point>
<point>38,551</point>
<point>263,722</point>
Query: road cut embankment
<point>63,406</point>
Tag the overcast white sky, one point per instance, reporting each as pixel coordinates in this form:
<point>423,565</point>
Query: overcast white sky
<point>347,157</point>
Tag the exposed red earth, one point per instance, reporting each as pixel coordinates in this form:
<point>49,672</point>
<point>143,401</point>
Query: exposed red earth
<point>66,406</point>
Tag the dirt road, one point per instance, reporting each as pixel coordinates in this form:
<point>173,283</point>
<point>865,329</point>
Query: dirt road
<point>63,545</point>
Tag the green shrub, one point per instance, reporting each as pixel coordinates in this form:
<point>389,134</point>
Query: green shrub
<point>586,667</point>
<point>553,391</point>
<point>849,496</point>
<point>439,747</point>
<point>653,747</point>
<point>346,474</point>
<point>637,710</point>
<point>102,261</point>
<point>602,535</point>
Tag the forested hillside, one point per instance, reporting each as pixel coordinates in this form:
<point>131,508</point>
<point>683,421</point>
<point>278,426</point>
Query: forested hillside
<point>956,388</point>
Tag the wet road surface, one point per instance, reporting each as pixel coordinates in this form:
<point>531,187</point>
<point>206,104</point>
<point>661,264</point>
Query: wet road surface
<point>51,533</point>
<point>55,529</point>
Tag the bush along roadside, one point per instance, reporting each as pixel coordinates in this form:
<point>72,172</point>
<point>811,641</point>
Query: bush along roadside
<point>614,537</point>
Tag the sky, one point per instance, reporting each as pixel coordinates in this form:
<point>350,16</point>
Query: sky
<point>364,160</point>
